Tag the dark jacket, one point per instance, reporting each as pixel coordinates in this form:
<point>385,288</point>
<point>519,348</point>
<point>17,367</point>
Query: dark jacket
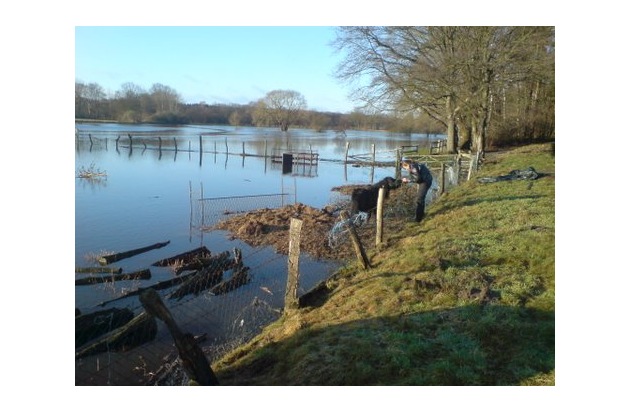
<point>419,173</point>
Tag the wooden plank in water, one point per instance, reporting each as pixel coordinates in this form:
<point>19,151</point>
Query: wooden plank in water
<point>91,280</point>
<point>200,252</point>
<point>105,260</point>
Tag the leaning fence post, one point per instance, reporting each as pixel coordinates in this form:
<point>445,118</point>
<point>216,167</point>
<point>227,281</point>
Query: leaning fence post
<point>470,167</point>
<point>379,216</point>
<point>193,359</point>
<point>290,296</point>
<point>356,242</point>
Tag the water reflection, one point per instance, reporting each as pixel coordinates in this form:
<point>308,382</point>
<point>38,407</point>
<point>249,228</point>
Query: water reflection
<point>147,197</point>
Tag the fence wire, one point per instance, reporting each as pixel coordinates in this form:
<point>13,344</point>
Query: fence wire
<point>221,297</point>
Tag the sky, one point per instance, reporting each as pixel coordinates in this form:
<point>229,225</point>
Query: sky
<point>228,64</point>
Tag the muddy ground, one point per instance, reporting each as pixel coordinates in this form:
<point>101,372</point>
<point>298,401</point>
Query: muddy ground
<point>270,227</point>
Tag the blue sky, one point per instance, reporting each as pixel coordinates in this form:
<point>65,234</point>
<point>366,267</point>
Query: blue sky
<point>215,64</point>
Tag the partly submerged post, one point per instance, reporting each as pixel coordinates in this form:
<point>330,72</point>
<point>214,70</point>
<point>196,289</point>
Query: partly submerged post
<point>290,296</point>
<point>193,359</point>
<point>356,242</point>
<point>379,216</point>
<point>200,150</point>
<point>347,148</point>
<point>287,163</point>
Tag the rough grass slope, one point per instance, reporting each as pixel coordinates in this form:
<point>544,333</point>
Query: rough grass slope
<point>465,298</point>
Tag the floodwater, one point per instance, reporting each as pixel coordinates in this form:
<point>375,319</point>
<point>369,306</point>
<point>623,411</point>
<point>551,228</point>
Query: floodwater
<point>148,194</point>
<point>151,193</point>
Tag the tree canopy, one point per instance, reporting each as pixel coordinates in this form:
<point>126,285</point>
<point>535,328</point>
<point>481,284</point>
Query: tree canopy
<point>280,108</point>
<point>463,77</point>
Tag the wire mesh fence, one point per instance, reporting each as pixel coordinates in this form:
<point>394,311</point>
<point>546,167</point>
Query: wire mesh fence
<point>222,298</point>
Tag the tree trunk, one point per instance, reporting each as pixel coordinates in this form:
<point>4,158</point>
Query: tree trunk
<point>451,133</point>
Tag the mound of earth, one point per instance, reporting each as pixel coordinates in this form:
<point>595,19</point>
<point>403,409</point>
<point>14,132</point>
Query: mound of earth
<point>270,227</point>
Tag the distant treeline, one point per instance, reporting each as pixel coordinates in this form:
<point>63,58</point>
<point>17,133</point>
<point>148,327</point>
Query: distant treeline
<point>163,105</point>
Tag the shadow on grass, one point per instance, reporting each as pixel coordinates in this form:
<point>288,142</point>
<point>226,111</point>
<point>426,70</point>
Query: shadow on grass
<point>468,345</point>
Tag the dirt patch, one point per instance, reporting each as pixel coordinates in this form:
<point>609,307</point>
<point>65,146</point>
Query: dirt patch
<point>270,227</point>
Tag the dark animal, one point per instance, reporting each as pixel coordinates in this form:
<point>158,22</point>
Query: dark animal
<point>365,199</point>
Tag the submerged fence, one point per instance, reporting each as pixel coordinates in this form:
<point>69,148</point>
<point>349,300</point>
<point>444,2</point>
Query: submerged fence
<point>216,300</point>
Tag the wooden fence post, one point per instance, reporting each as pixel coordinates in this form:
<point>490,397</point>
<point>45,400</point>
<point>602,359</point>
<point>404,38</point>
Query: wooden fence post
<point>347,148</point>
<point>356,242</point>
<point>458,166</point>
<point>193,359</point>
<point>442,178</point>
<point>290,296</point>
<point>470,167</point>
<point>379,216</point>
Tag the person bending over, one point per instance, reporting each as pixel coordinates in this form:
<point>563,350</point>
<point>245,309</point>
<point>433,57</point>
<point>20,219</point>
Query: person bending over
<point>420,174</point>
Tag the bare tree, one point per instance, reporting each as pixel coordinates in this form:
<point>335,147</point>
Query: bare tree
<point>88,97</point>
<point>407,68</point>
<point>450,73</point>
<point>165,98</point>
<point>280,108</point>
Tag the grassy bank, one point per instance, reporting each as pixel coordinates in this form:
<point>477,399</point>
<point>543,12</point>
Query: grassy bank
<point>465,298</point>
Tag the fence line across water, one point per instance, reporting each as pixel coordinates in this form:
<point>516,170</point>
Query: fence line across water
<point>222,302</point>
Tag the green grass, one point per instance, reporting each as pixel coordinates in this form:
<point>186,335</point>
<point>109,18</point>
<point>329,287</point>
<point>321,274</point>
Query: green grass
<point>465,298</point>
